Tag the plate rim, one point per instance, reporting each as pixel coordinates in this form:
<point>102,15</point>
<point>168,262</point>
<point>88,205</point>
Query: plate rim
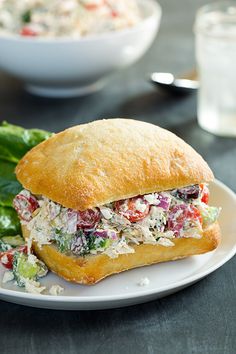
<point>127,296</point>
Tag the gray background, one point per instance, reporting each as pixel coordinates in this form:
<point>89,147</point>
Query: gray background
<point>199,319</point>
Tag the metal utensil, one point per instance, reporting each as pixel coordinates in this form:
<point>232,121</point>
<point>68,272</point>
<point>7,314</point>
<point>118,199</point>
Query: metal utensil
<point>178,85</point>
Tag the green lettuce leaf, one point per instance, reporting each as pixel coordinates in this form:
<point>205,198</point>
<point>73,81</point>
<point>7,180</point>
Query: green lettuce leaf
<point>9,186</point>
<point>9,222</point>
<point>16,141</point>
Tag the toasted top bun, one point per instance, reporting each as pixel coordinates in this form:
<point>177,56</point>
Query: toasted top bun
<point>108,160</point>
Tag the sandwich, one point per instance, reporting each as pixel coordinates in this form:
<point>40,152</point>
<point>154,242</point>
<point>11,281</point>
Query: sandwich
<point>112,195</point>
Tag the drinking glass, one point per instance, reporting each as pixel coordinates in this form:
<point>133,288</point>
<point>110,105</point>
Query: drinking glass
<point>215,29</point>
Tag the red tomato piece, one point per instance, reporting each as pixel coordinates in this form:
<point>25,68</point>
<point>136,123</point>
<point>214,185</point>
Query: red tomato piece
<point>130,210</point>
<point>204,193</point>
<point>93,6</point>
<point>28,32</point>
<point>25,206</point>
<point>6,258</point>
<point>194,213</point>
<point>88,219</point>
<point>114,13</point>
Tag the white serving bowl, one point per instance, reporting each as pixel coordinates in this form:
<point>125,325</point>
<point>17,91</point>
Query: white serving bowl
<point>65,67</point>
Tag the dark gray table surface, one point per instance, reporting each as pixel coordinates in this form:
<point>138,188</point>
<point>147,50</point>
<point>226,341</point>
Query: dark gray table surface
<point>199,319</point>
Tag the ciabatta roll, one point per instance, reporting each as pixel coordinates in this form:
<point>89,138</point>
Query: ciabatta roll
<point>112,195</point>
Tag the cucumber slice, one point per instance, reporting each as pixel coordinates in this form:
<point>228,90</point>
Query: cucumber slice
<point>24,269</point>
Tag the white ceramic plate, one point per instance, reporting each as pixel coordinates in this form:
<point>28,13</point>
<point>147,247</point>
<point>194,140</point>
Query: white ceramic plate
<point>123,289</point>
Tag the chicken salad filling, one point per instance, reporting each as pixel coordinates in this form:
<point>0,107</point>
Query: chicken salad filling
<point>114,228</point>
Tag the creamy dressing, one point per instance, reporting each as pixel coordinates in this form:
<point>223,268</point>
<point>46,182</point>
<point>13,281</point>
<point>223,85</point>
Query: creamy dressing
<point>120,231</point>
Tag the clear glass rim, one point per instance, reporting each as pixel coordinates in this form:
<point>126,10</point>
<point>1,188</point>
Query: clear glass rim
<point>208,8</point>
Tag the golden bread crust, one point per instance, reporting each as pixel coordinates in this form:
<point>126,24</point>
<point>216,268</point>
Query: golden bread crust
<point>93,268</point>
<point>108,160</point>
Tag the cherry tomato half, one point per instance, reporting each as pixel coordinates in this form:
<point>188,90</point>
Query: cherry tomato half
<point>114,13</point>
<point>28,32</point>
<point>204,193</point>
<point>88,219</point>
<point>25,206</point>
<point>133,209</point>
<point>6,258</point>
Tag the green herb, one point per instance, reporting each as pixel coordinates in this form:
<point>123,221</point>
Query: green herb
<point>9,222</point>
<point>95,242</point>
<point>105,243</point>
<point>26,17</point>
<point>63,241</point>
<point>9,186</point>
<point>91,243</point>
<point>16,141</point>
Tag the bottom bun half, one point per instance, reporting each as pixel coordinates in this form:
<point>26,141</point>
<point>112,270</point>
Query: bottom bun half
<point>91,269</point>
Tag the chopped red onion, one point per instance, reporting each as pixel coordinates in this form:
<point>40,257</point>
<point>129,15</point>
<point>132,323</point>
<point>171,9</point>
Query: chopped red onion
<point>161,200</point>
<point>79,244</point>
<point>164,201</point>
<point>71,221</point>
<point>106,234</point>
<point>177,218</point>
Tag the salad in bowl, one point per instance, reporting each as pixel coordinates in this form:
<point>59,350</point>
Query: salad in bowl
<point>72,18</point>
<point>70,48</point>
